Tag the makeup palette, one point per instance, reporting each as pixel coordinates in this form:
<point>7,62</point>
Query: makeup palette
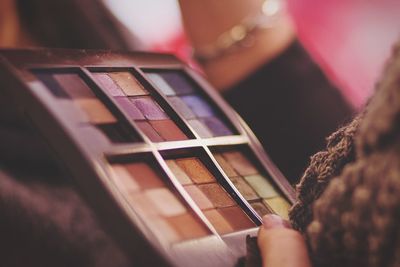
<point>173,173</point>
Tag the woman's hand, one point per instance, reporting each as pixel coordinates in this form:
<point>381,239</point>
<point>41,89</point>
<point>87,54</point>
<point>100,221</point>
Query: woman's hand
<point>281,246</point>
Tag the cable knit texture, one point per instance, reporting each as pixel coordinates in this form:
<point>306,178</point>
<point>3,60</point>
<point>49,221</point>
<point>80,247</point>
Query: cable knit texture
<point>349,197</point>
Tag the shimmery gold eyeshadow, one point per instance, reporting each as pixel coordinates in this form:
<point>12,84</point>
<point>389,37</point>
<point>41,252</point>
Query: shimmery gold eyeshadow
<point>178,172</point>
<point>187,226</point>
<point>168,130</point>
<point>200,128</point>
<point>220,223</point>
<point>123,179</point>
<point>96,111</point>
<point>149,131</point>
<point>240,163</point>
<point>199,197</point>
<point>236,218</point>
<point>279,205</point>
<point>260,208</point>
<point>261,185</point>
<point>196,170</point>
<point>145,176</point>
<point>217,195</point>
<point>247,192</point>
<point>166,203</point>
<point>229,171</point>
<point>128,83</point>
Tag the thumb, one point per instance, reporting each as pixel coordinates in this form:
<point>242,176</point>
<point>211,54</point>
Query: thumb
<point>281,246</point>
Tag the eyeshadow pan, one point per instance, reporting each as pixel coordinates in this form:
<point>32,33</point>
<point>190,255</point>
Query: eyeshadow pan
<point>279,205</point>
<point>198,105</point>
<point>96,111</point>
<point>229,171</point>
<point>167,204</point>
<point>237,218</point>
<point>168,130</point>
<point>260,208</point>
<point>108,84</point>
<point>220,223</point>
<point>241,164</point>
<point>149,108</point>
<point>144,175</point>
<point>198,197</point>
<point>261,185</point>
<point>53,86</point>
<point>181,107</point>
<point>161,84</point>
<point>244,188</point>
<point>143,205</point>
<point>178,81</point>
<point>217,127</point>
<point>163,229</point>
<point>117,133</point>
<point>187,226</point>
<point>217,195</point>
<point>178,172</point>
<point>196,170</point>
<point>74,85</point>
<point>127,82</point>
<point>123,179</point>
<point>132,111</point>
<point>200,128</point>
<point>149,131</point>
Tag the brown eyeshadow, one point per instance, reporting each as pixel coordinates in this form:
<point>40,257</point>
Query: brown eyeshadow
<point>260,208</point>
<point>196,170</point>
<point>240,163</point>
<point>187,226</point>
<point>144,175</point>
<point>127,82</point>
<point>178,172</point>
<point>199,197</point>
<point>149,131</point>
<point>168,130</point>
<point>220,223</point>
<point>73,84</point>
<point>244,188</point>
<point>237,218</point>
<point>96,111</point>
<point>217,195</point>
<point>229,171</point>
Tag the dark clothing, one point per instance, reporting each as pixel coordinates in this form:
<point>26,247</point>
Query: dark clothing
<point>291,107</point>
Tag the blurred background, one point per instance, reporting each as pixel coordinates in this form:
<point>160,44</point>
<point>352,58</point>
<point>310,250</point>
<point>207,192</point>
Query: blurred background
<point>350,39</point>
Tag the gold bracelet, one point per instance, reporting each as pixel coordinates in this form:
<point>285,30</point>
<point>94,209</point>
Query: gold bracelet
<point>242,34</point>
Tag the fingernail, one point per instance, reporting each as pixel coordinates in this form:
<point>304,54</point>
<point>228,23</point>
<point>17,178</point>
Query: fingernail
<point>274,221</point>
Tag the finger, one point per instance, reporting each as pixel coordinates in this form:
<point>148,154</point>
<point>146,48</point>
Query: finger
<point>281,246</point>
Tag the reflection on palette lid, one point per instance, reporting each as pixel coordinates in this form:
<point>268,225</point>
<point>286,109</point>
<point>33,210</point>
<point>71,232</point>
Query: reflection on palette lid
<point>187,226</point>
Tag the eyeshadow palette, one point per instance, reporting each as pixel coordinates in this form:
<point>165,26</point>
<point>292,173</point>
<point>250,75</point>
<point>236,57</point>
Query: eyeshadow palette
<point>173,173</point>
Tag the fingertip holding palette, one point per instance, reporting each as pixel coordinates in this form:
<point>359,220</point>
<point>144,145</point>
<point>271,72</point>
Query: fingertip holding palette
<point>170,169</point>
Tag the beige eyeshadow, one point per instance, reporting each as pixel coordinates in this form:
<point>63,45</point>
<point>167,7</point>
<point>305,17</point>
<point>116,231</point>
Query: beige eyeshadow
<point>166,202</point>
<point>260,208</point>
<point>199,197</point>
<point>237,218</point>
<point>217,195</point>
<point>178,172</point>
<point>123,179</point>
<point>261,185</point>
<point>162,229</point>
<point>142,205</point>
<point>144,175</point>
<point>244,188</point>
<point>229,171</point>
<point>95,110</point>
<point>279,205</point>
<point>220,223</point>
<point>128,83</point>
<point>196,170</point>
<point>187,226</point>
<point>240,163</point>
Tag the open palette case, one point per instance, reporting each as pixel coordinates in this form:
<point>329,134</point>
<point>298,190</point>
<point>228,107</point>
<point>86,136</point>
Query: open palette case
<point>172,171</point>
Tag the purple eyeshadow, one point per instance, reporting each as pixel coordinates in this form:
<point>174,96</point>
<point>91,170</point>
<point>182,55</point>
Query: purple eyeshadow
<point>200,128</point>
<point>198,105</point>
<point>150,109</point>
<point>161,84</point>
<point>178,82</point>
<point>133,112</point>
<point>108,84</point>
<point>217,127</point>
<point>182,108</point>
